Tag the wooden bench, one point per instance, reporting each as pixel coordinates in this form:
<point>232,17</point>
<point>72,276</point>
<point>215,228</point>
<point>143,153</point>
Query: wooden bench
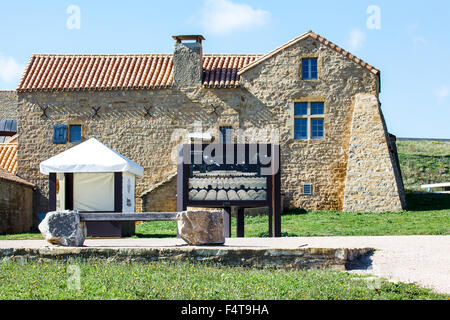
<point>145,216</point>
<point>123,217</point>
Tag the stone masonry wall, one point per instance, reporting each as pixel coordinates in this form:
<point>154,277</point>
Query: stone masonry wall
<point>264,101</point>
<point>162,197</point>
<point>15,207</point>
<point>372,182</point>
<point>8,105</point>
<point>323,162</point>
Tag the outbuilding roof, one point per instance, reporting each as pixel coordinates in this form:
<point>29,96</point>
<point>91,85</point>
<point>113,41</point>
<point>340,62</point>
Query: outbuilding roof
<point>5,175</point>
<point>8,157</point>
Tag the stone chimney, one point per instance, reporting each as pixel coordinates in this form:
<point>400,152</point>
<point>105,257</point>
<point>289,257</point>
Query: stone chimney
<point>187,60</point>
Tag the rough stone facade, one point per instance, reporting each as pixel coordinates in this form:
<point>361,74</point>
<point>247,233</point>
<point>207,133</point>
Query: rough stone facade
<point>162,196</point>
<point>8,105</point>
<point>16,204</point>
<point>372,178</point>
<point>264,100</point>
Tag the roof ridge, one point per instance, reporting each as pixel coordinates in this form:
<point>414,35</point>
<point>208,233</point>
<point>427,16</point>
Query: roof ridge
<point>97,54</point>
<point>132,54</point>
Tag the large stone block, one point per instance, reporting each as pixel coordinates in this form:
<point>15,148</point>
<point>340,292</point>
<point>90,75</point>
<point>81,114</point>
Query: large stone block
<point>372,182</point>
<point>201,227</point>
<point>63,228</point>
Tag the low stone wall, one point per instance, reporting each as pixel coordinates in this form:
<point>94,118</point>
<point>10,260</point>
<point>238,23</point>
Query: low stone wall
<point>301,258</point>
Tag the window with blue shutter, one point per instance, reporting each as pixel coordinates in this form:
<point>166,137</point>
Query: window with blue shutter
<point>227,135</point>
<point>75,133</point>
<point>309,69</point>
<point>59,133</point>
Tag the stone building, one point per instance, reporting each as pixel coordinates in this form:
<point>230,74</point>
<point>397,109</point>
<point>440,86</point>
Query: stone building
<point>8,131</point>
<point>336,152</point>
<point>8,105</point>
<point>16,203</point>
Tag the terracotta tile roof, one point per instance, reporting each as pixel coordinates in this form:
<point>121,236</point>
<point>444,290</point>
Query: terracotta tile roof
<point>322,40</point>
<point>11,177</point>
<point>8,157</point>
<point>222,70</point>
<point>51,72</point>
<point>47,72</point>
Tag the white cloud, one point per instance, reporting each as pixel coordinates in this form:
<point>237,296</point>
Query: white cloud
<point>224,17</point>
<point>356,39</point>
<point>442,93</point>
<point>10,69</point>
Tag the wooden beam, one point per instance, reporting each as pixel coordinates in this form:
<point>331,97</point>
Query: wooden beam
<point>227,222</point>
<point>68,191</point>
<point>118,180</point>
<point>240,223</point>
<point>144,216</point>
<point>52,192</point>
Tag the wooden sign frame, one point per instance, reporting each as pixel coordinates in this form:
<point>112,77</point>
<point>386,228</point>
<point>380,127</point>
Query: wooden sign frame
<point>273,198</point>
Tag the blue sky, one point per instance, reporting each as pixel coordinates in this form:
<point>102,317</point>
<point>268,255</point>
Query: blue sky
<point>409,41</point>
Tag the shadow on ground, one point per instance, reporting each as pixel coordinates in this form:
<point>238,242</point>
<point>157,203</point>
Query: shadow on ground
<point>422,201</point>
<point>363,262</point>
<point>154,235</point>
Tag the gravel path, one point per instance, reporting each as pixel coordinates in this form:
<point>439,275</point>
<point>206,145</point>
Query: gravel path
<point>423,260</point>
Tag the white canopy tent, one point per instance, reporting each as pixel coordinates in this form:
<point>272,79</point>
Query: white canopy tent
<point>92,177</point>
<point>90,156</point>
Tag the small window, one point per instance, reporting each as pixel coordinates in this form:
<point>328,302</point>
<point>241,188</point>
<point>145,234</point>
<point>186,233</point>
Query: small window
<point>309,69</point>
<point>59,133</point>
<point>316,128</point>
<point>301,128</point>
<point>317,108</point>
<point>307,189</point>
<point>309,120</point>
<point>75,133</point>
<point>301,108</point>
<point>227,135</point>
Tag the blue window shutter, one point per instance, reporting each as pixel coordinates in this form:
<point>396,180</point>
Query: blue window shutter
<point>59,133</point>
<point>75,133</point>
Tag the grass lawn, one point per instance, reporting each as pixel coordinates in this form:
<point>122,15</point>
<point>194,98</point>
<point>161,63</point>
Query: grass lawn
<point>424,162</point>
<point>102,279</point>
<point>428,214</point>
